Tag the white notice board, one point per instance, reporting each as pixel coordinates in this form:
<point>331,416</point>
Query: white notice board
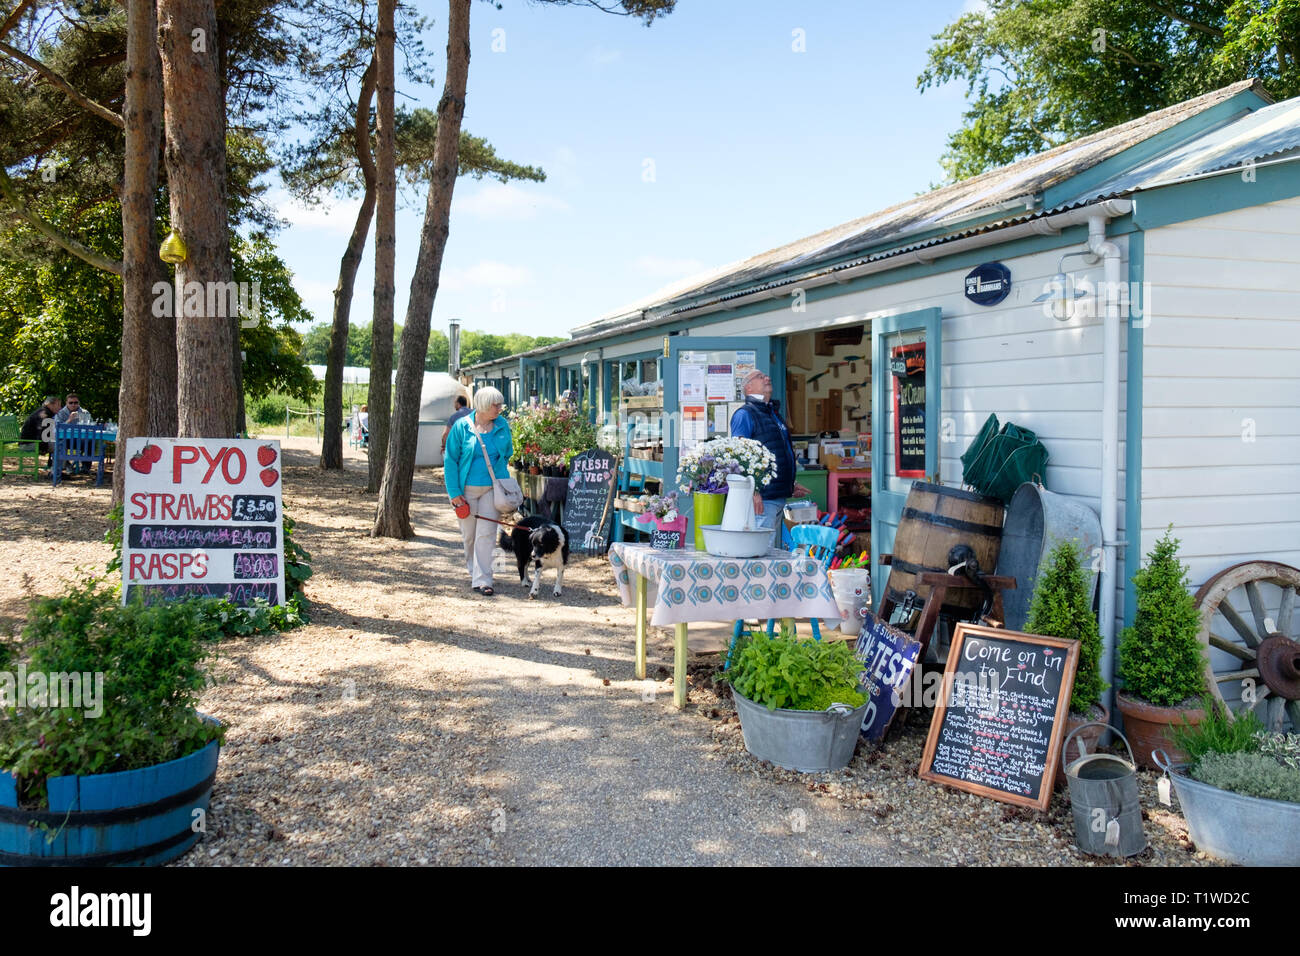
<point>202,517</point>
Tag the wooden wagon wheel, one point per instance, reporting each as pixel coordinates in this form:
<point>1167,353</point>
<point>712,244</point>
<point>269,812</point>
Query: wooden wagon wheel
<point>1247,615</point>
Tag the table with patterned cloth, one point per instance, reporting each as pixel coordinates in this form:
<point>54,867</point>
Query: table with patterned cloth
<point>686,585</point>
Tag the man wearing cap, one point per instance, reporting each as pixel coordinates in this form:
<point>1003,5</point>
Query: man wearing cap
<point>760,419</point>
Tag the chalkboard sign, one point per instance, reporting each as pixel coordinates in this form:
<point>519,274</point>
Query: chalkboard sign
<point>591,482</point>
<point>999,720</point>
<point>889,656</point>
<point>909,410</point>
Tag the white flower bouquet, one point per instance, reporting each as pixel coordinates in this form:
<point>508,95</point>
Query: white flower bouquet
<point>705,468</point>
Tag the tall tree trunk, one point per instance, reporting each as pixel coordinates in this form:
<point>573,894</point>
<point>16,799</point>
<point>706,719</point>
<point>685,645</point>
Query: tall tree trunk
<point>236,320</point>
<point>379,394</point>
<point>331,454</point>
<point>162,349</point>
<point>193,109</point>
<point>143,114</point>
<point>393,517</point>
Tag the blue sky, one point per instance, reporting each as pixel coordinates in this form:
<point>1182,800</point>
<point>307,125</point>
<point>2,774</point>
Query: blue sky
<point>752,144</point>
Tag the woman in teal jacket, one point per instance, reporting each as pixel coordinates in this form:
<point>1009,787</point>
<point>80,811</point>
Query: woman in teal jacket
<point>469,479</point>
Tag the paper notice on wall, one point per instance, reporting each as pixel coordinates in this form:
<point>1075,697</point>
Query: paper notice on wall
<point>722,383</point>
<point>690,384</point>
<point>721,421</point>
<point>695,426</point>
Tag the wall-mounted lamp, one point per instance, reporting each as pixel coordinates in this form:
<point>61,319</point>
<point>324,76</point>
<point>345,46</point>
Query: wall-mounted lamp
<point>1061,290</point>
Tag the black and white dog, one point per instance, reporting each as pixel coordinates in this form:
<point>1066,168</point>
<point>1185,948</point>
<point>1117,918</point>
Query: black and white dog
<point>543,543</point>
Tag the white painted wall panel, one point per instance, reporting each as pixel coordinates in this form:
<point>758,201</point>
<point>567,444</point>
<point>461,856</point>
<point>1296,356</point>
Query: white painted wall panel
<point>1221,397</point>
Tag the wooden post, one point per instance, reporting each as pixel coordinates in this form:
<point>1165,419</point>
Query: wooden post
<point>640,626</point>
<point>679,667</point>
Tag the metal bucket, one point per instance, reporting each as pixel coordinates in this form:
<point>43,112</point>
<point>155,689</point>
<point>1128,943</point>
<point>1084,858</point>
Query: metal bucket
<point>1104,796</point>
<point>809,741</point>
<point>1248,831</point>
<point>1038,520</point>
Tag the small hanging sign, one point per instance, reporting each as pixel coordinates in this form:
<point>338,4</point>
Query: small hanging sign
<point>988,284</point>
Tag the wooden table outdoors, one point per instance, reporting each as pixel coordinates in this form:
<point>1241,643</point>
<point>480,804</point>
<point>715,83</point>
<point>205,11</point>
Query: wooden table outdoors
<point>687,585</point>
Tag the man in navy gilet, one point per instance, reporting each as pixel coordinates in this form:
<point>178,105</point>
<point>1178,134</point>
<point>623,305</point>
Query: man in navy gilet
<point>760,419</point>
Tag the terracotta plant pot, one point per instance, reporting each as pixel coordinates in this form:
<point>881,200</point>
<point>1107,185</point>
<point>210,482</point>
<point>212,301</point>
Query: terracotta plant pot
<point>534,470</point>
<point>1099,714</point>
<point>1150,727</point>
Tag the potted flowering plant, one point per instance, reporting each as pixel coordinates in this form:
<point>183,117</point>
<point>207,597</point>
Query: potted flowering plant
<point>546,436</point>
<point>703,471</point>
<point>670,525</point>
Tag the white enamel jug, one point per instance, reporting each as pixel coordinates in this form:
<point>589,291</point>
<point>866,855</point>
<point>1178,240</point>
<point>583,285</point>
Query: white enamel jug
<point>738,515</point>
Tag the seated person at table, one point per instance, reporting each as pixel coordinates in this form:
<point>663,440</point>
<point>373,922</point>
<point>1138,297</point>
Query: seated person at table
<point>363,423</point>
<point>72,413</point>
<point>35,428</point>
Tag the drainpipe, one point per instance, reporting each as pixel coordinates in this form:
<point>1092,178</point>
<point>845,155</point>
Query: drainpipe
<point>1109,253</point>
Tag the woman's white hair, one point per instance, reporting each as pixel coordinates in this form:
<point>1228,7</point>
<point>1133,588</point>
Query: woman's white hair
<point>486,397</point>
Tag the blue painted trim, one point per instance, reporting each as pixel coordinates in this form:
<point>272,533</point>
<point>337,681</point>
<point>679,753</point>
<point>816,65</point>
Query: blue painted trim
<point>1133,399</point>
<point>883,508</point>
<point>1216,116</point>
<point>1217,194</point>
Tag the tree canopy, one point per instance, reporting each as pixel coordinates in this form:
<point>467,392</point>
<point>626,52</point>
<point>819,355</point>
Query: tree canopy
<point>1042,72</point>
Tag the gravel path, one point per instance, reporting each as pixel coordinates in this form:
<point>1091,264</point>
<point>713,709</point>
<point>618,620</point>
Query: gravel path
<point>415,722</point>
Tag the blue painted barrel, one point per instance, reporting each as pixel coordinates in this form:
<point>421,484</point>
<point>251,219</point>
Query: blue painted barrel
<point>139,817</point>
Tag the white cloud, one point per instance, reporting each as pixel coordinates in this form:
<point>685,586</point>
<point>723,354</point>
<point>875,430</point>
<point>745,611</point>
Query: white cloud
<point>333,216</point>
<point>488,274</point>
<point>660,267</point>
<point>507,201</point>
<point>974,6</point>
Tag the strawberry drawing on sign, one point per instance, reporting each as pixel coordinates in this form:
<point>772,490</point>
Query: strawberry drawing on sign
<point>269,477</point>
<point>266,455</point>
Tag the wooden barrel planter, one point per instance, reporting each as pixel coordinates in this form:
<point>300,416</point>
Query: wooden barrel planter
<point>139,817</point>
<point>935,519</point>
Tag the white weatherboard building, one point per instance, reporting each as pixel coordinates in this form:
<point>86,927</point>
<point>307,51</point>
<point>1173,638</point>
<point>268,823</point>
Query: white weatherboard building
<point>1169,394</point>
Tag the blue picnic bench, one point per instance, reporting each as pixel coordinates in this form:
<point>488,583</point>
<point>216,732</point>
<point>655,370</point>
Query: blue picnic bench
<point>79,443</point>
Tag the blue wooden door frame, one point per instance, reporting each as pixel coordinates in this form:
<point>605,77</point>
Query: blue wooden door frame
<point>887,504</point>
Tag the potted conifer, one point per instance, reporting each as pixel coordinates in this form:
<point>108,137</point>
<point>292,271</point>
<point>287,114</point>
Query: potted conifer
<point>1062,607</point>
<point>1161,660</point>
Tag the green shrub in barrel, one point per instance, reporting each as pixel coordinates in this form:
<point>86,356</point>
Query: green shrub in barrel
<point>116,766</point>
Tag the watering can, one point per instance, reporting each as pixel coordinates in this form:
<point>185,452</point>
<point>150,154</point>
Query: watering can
<point>1104,800</point>
<point>738,513</point>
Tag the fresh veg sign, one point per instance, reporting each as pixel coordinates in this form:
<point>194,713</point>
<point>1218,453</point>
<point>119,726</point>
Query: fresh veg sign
<point>203,517</point>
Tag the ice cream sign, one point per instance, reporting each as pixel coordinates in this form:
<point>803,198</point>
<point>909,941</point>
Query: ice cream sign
<point>202,517</point>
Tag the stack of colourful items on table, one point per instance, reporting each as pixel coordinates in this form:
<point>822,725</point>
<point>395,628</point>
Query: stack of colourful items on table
<point>859,560</point>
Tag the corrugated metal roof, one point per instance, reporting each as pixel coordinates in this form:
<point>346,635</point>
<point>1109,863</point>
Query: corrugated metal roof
<point>1268,133</point>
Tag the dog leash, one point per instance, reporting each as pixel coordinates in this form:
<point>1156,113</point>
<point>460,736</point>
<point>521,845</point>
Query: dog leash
<point>504,524</point>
